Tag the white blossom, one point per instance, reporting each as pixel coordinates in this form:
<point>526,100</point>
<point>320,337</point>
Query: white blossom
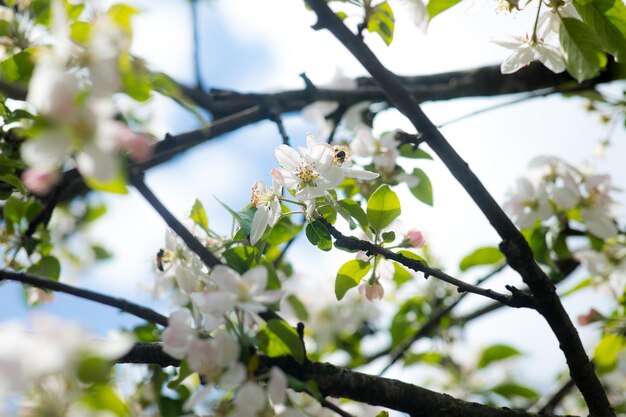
<point>268,207</point>
<point>179,334</point>
<point>527,203</point>
<point>248,290</point>
<point>526,50</point>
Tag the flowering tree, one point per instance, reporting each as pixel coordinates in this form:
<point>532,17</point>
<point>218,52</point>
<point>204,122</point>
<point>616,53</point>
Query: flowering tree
<point>241,338</point>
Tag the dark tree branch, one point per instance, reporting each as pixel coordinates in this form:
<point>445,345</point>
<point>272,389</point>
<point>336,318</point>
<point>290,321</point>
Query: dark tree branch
<point>343,383</point>
<point>137,310</point>
<point>190,240</point>
<point>478,82</point>
<point>516,299</point>
<point>514,246</point>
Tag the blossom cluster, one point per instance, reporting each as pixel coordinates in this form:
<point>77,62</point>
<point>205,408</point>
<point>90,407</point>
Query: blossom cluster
<point>309,173</point>
<point>48,354</point>
<point>565,192</point>
<point>77,112</point>
<point>572,197</point>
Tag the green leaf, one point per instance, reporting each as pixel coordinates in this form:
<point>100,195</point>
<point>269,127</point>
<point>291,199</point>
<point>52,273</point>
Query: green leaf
<point>94,212</point>
<point>510,390</point>
<point>47,267</point>
<point>383,413</point>
<point>116,186</point>
<point>349,276</point>
<point>401,275</point>
<point>388,237</point>
<point>608,20</point>
<point>289,339</point>
<point>14,181</point>
<point>605,356</point>
<point>282,232</point>
<point>407,151</point>
<point>198,215</point>
<point>298,308</point>
<point>496,353</point>
<point>423,191</point>
<point>93,369</point>
<point>355,211</point>
<point>13,209</point>
<point>581,285</point>
<point>582,50</point>
<point>101,253</point>
<point>383,207</point>
<point>241,258</point>
<point>18,67</point>
<point>434,7</point>
<point>382,22</point>
<point>488,255</point>
<point>103,397</point>
<point>318,235</point>
<point>122,14</point>
<point>413,255</point>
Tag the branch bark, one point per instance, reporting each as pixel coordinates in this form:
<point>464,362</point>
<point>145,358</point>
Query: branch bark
<point>124,305</point>
<point>514,246</point>
<point>343,383</point>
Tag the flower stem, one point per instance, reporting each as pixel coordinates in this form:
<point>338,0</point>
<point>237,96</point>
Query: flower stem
<point>534,37</point>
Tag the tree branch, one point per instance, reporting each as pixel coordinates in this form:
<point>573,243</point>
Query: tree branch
<point>430,324</point>
<point>190,240</point>
<point>516,299</point>
<point>343,383</point>
<point>514,246</point>
<point>137,310</point>
<point>477,82</point>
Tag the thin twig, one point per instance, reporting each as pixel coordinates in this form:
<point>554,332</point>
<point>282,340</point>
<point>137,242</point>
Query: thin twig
<point>195,16</point>
<point>327,404</point>
<point>137,310</point>
<point>535,94</point>
<point>431,323</point>
<point>557,397</point>
<point>516,299</point>
<point>275,117</point>
<point>190,240</point>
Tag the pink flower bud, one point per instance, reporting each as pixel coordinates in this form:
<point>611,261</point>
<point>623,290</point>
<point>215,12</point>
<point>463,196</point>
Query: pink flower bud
<point>372,291</point>
<point>138,146</point>
<point>40,181</point>
<point>415,238</point>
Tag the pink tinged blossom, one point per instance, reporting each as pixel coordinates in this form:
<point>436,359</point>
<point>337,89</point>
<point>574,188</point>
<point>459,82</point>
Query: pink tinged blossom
<point>372,291</point>
<point>48,151</point>
<point>52,90</point>
<point>40,181</point>
<point>248,289</point>
<point>250,399</point>
<point>93,162</point>
<point>526,50</point>
<point>268,206</point>
<point>179,335</point>
<point>416,238</point>
<point>213,305</point>
<point>138,146</point>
